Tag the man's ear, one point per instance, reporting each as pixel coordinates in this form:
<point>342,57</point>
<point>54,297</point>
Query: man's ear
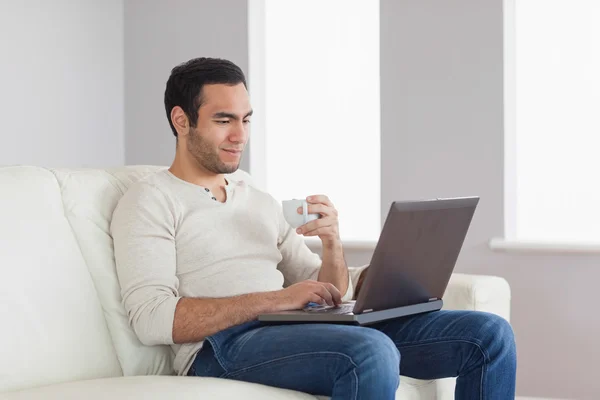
<point>180,121</point>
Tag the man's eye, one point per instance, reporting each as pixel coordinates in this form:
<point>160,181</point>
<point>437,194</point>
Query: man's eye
<point>222,122</point>
<point>247,121</point>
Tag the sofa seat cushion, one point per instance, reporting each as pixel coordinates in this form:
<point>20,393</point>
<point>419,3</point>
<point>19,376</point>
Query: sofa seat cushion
<point>155,388</point>
<point>187,388</point>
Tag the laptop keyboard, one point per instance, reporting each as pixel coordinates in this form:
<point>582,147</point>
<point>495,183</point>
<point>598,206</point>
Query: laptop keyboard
<point>342,309</point>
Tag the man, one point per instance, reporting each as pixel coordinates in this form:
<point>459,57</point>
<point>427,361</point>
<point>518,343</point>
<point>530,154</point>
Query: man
<point>200,254</point>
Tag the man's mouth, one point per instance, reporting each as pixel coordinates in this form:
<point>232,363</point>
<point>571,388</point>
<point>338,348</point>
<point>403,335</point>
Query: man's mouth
<point>233,151</point>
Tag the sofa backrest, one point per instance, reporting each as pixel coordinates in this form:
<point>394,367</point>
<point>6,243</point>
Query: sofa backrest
<point>52,322</point>
<point>90,197</point>
<point>59,293</point>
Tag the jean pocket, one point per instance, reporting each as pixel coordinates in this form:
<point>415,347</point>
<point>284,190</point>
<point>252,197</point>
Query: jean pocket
<point>206,364</point>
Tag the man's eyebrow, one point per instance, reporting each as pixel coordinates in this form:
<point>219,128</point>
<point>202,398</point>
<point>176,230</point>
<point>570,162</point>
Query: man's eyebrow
<point>223,114</point>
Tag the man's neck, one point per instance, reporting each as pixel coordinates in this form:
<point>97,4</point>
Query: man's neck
<point>191,172</point>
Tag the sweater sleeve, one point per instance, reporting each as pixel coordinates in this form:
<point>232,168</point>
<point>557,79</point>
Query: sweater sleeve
<point>143,232</point>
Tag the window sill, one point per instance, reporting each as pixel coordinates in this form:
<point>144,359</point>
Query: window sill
<point>524,246</point>
<point>496,244</point>
<point>360,245</point>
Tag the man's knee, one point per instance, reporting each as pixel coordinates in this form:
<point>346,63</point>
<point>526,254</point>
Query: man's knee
<point>497,336</point>
<point>376,352</point>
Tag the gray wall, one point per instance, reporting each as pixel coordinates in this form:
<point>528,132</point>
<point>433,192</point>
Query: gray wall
<point>442,135</point>
<point>61,83</point>
<point>159,35</point>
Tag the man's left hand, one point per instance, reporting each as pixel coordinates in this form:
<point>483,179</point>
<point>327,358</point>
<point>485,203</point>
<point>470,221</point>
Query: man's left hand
<point>326,227</point>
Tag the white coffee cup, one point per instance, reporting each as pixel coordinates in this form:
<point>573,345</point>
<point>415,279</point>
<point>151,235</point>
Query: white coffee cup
<point>290,212</point>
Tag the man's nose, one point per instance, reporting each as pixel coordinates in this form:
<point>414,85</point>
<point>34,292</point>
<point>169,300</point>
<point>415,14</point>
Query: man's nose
<point>239,133</point>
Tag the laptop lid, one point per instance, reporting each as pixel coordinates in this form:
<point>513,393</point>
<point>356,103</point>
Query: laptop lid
<point>416,252</point>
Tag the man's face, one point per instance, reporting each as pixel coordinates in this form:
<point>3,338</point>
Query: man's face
<point>221,132</point>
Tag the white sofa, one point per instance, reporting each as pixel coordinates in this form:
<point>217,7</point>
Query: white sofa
<point>64,333</point>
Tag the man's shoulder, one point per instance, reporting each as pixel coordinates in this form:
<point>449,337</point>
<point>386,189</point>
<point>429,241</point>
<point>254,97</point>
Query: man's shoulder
<point>150,184</point>
<point>144,199</point>
<point>149,190</point>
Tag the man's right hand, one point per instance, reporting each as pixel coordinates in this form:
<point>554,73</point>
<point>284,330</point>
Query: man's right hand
<point>298,295</point>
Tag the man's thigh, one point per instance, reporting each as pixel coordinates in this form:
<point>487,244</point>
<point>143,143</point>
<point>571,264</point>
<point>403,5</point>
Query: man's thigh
<point>304,357</point>
<point>442,343</point>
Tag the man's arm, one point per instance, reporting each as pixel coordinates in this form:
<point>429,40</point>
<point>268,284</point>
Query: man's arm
<point>195,319</point>
<point>333,266</point>
<point>300,263</point>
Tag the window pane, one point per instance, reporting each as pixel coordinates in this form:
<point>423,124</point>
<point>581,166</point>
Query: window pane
<point>322,131</point>
<point>558,119</point>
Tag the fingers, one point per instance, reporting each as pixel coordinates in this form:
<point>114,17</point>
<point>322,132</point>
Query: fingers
<point>328,292</point>
<point>324,292</point>
<point>319,209</point>
<point>311,225</point>
<point>319,232</point>
<point>318,227</point>
<point>315,298</point>
<point>319,198</point>
<point>335,293</point>
<point>322,227</point>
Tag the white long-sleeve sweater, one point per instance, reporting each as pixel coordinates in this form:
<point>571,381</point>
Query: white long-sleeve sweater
<point>172,239</point>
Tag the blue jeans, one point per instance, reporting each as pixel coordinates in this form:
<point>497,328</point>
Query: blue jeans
<point>354,362</point>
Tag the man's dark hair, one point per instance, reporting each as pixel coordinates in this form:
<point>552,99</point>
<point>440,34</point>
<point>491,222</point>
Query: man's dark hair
<point>184,87</point>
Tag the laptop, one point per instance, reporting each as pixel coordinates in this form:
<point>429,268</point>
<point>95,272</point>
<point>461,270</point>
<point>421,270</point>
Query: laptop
<point>410,268</point>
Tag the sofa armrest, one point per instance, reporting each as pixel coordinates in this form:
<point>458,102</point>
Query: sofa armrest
<point>478,292</point>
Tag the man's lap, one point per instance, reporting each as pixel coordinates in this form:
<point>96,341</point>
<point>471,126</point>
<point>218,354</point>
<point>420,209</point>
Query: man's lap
<point>428,344</point>
<point>303,357</point>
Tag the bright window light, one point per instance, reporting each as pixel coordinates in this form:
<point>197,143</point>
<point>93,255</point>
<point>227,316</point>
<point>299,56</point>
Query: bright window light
<point>557,120</point>
<point>319,69</point>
